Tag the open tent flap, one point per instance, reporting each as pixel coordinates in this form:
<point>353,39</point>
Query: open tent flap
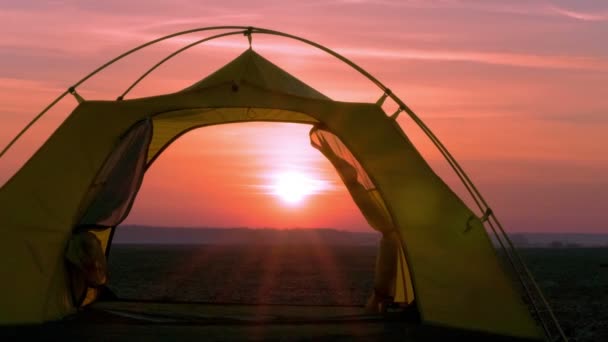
<point>392,277</point>
<point>115,186</point>
<point>107,203</point>
<point>86,264</point>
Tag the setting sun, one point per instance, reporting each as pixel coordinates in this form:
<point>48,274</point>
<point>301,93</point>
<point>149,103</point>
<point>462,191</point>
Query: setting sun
<point>293,187</point>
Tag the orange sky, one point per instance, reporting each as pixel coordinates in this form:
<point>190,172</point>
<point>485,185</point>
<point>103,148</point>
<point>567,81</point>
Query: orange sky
<point>517,90</point>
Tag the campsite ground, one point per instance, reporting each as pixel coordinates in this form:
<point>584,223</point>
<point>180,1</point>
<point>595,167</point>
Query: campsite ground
<point>575,280</point>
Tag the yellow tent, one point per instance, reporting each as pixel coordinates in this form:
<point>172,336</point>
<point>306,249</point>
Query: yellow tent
<point>86,176</point>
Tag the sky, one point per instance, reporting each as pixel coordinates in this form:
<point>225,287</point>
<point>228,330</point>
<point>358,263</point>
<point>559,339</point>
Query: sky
<point>517,90</point>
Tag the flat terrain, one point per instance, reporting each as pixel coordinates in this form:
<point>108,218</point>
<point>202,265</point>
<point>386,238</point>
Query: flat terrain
<point>276,274</point>
<point>575,280</point>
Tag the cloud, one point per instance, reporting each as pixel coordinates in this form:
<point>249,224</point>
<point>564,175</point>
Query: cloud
<point>95,29</point>
<point>601,16</point>
<point>485,57</point>
<point>581,118</point>
<point>297,49</point>
<point>541,61</point>
<point>516,7</point>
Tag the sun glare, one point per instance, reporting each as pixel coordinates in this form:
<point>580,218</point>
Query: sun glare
<point>293,187</point>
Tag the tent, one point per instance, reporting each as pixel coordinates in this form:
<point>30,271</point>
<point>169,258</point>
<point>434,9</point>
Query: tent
<point>86,175</point>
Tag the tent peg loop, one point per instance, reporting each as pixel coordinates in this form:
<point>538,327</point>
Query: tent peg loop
<point>72,90</point>
<point>248,33</point>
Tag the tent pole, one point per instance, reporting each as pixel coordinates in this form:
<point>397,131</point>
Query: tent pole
<point>36,118</point>
<point>84,79</point>
<point>198,42</point>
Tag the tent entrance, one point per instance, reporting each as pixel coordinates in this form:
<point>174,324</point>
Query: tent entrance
<point>150,138</point>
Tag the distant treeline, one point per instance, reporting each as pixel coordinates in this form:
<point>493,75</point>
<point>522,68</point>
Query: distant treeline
<point>131,234</point>
<point>558,240</point>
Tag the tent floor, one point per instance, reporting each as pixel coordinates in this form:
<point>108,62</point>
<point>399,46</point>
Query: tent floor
<point>150,321</point>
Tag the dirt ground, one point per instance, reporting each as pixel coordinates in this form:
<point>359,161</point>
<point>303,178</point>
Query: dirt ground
<point>574,280</point>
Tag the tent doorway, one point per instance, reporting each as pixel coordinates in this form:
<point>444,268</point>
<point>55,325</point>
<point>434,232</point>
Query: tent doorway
<point>271,267</point>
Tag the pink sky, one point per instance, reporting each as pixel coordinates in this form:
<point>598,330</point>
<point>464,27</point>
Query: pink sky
<point>516,90</point>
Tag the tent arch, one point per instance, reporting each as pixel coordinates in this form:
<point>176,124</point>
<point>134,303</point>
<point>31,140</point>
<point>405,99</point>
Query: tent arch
<point>403,285</point>
<point>153,155</point>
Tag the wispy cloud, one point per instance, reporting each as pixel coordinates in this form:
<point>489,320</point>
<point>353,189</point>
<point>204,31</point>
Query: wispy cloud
<point>584,16</point>
<point>527,60</point>
<point>522,59</point>
<point>518,7</point>
<point>486,57</point>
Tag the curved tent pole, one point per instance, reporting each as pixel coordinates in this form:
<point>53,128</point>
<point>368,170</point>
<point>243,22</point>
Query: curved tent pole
<point>162,61</point>
<point>7,147</point>
<point>451,160</point>
<point>248,30</point>
<point>84,79</point>
<point>479,200</point>
<point>483,206</point>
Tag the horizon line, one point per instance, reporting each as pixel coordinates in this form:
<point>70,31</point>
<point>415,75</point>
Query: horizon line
<point>370,230</point>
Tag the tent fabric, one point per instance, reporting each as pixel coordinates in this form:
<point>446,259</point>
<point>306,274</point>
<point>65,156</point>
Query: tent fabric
<point>115,187</point>
<point>169,126</point>
<point>386,282</point>
<point>456,276</point>
<point>366,196</point>
<point>87,266</point>
<point>113,191</point>
<point>361,188</point>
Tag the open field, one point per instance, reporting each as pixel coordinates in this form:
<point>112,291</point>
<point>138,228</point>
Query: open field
<point>574,280</point>
<point>277,274</point>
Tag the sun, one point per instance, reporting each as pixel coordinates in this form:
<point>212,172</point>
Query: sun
<point>293,187</point>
